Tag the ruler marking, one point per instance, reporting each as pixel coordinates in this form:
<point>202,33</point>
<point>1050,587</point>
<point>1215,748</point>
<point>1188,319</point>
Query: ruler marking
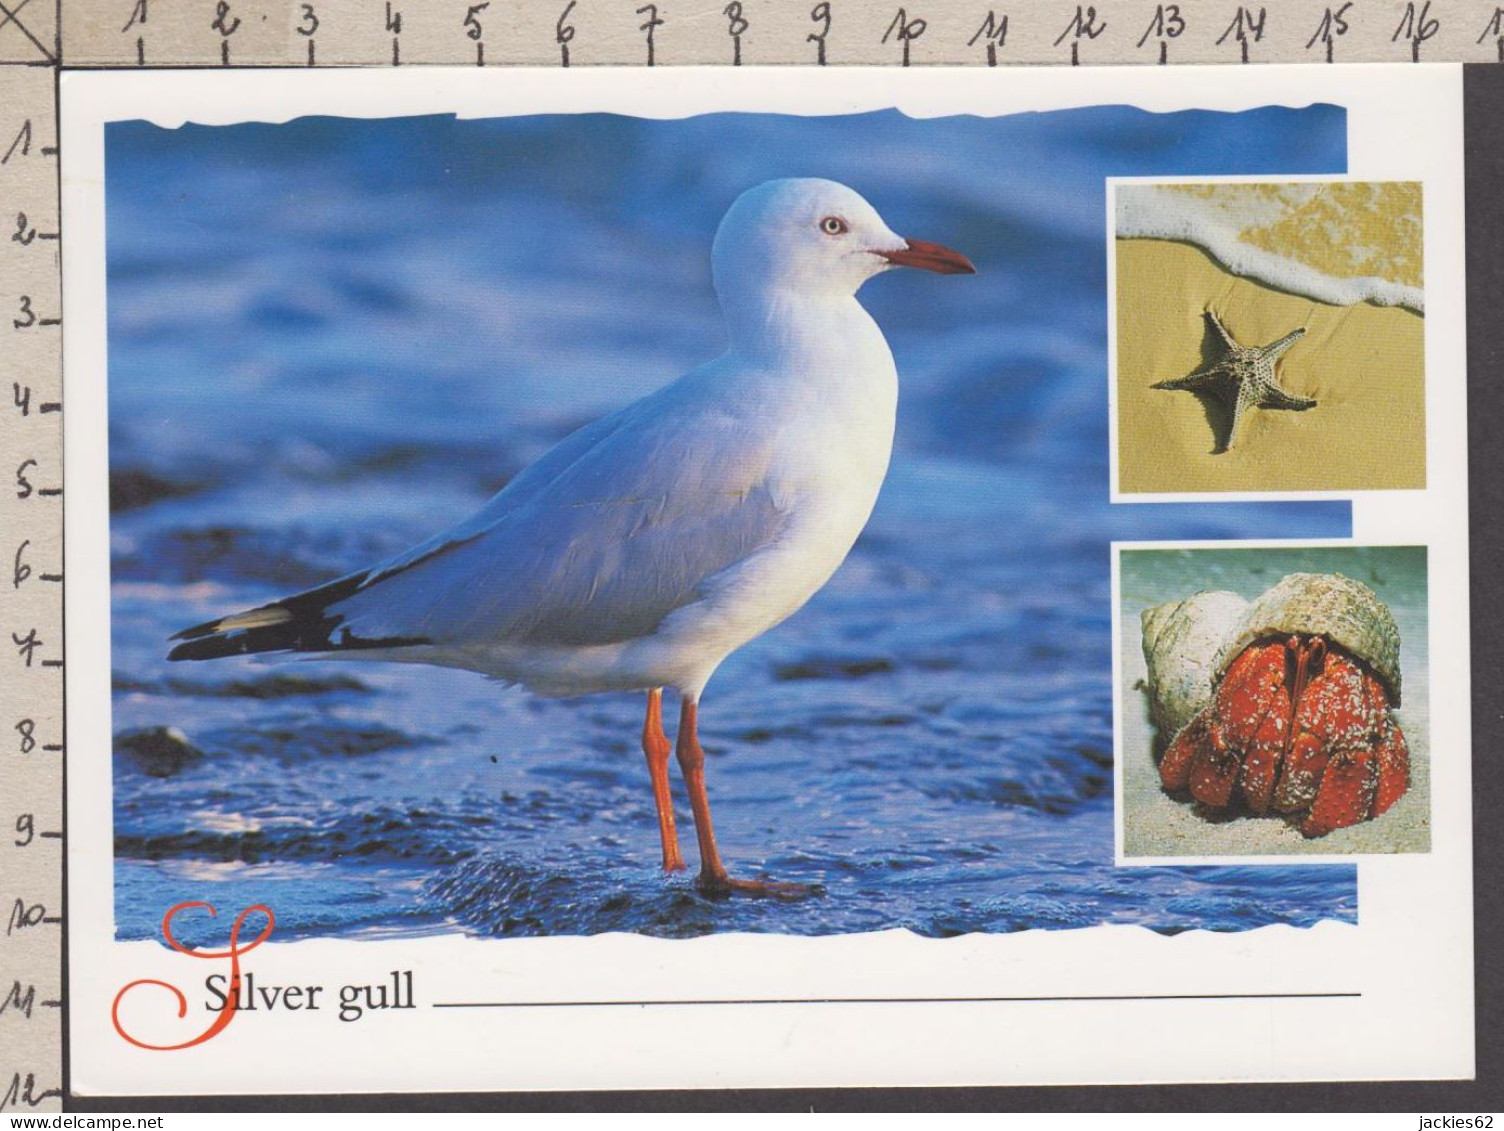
<point>23,1091</point>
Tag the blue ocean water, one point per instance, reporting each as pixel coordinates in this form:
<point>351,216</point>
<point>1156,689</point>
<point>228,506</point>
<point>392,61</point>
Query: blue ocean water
<point>332,337</point>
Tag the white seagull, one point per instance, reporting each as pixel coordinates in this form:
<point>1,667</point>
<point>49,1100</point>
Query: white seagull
<point>648,546</point>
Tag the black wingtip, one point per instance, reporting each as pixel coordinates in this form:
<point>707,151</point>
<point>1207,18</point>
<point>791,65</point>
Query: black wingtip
<point>209,648</point>
<point>302,623</point>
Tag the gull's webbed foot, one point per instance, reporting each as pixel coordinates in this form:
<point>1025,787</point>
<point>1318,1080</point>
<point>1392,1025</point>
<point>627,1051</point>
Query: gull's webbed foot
<point>723,886</point>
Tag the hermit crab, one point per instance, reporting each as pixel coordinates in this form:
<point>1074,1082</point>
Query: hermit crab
<point>1290,711</point>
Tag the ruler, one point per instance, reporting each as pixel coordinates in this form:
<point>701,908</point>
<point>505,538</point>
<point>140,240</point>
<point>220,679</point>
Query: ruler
<point>31,533</point>
<point>39,39</point>
<point>201,33</point>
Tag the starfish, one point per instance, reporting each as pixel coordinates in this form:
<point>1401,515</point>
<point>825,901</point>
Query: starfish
<point>1242,378</point>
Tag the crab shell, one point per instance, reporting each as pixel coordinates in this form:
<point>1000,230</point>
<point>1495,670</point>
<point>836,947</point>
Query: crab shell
<point>1346,612</point>
<point>1183,643</point>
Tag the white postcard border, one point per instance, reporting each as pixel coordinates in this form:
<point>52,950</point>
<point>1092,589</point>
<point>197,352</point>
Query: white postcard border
<point>1393,996</point>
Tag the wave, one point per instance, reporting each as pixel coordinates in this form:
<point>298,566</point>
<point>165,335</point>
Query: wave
<point>1337,242</point>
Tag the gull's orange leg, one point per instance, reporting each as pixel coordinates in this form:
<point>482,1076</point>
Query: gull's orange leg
<point>713,879</point>
<point>655,746</point>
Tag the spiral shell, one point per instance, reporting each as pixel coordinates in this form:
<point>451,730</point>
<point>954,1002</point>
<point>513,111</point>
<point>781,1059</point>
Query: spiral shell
<point>1182,643</point>
<point>1344,611</point>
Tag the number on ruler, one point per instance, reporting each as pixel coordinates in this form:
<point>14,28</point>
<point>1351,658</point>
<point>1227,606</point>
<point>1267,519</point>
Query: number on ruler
<point>1166,25</point>
<point>995,32</point>
<point>27,729</point>
<point>394,25</point>
<point>1083,25</point>
<point>1495,28</point>
<point>22,569</point>
<point>24,915</point>
<point>820,14</point>
<point>1333,25</point>
<point>474,30</point>
<point>24,487</point>
<point>226,25</point>
<point>137,16</point>
<point>1417,27</point>
<point>25,233</point>
<point>563,33</point>
<point>21,394</point>
<point>22,143</point>
<point>17,998</point>
<point>906,30</point>
<point>650,25</point>
<point>26,831</point>
<point>27,645</point>
<point>1245,24</point>
<point>24,1091</point>
<point>28,317</point>
<point>307,28</point>
<point>736,27</point>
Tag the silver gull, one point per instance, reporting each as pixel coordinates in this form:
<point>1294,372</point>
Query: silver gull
<point>648,546</point>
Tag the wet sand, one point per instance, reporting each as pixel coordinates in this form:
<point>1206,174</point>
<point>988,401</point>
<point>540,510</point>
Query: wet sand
<point>1363,364</point>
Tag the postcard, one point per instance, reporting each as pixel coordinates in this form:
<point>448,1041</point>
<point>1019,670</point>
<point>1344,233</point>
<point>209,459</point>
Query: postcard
<point>728,578</point>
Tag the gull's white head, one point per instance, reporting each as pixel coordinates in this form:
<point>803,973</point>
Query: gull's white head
<point>813,237</point>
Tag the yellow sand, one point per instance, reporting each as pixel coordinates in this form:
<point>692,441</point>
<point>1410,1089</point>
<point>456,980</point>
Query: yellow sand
<point>1363,364</point>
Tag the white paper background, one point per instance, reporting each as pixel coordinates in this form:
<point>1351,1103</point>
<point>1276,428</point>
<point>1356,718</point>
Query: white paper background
<point>1409,960</point>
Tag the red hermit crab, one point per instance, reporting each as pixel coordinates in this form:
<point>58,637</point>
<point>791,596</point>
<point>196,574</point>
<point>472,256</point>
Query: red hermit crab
<point>1299,721</point>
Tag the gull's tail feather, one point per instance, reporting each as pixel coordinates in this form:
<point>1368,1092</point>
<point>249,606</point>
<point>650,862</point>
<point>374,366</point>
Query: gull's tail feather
<point>304,622</point>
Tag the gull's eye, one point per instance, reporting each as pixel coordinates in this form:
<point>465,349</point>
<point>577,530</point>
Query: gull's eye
<point>834,226</point>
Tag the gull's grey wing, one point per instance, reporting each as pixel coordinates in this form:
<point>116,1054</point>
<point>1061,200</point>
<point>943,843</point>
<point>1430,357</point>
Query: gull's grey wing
<point>597,542</point>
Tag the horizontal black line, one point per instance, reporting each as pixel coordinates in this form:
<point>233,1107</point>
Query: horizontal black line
<point>49,321</point>
<point>50,406</point>
<point>53,836</point>
<point>50,492</point>
<point>52,918</point>
<point>889,1000</point>
<point>51,1004</point>
<point>49,151</point>
<point>48,235</point>
<point>52,663</point>
<point>58,746</point>
<point>49,577</point>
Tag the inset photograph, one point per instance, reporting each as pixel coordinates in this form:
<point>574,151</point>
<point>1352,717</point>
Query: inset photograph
<point>1269,336</point>
<point>1273,701</point>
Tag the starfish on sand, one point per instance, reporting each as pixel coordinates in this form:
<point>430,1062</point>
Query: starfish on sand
<point>1242,378</point>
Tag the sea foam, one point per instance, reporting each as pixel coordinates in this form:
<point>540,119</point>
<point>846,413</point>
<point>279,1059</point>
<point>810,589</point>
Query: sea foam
<point>1339,243</point>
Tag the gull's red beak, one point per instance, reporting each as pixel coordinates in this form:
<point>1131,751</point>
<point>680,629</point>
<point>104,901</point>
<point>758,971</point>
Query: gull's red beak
<point>930,257</point>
